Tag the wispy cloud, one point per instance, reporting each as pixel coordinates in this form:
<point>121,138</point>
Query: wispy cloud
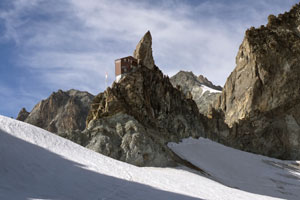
<point>72,43</point>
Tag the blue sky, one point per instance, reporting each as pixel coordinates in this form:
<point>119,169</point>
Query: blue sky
<point>46,45</point>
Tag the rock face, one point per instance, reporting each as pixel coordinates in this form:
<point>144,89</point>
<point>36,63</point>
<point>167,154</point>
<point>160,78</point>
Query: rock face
<point>63,113</point>
<point>143,51</point>
<point>23,114</point>
<point>135,119</point>
<point>202,91</point>
<point>204,81</point>
<point>261,97</point>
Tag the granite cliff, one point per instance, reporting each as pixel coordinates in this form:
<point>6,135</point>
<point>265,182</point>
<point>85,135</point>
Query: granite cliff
<point>260,101</point>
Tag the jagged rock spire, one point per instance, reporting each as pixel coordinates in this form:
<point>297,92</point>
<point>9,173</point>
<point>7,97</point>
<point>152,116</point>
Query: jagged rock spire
<point>143,51</point>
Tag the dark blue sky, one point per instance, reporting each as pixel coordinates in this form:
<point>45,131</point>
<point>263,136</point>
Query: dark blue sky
<point>50,45</point>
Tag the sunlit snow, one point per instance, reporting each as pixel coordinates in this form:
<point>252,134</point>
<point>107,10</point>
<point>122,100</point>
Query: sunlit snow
<point>36,164</point>
<point>238,169</point>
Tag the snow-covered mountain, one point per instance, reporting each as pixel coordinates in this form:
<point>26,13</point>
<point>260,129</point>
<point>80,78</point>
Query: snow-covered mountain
<point>36,164</point>
<point>202,91</point>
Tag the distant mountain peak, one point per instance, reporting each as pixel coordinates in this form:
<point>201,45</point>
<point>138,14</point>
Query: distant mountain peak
<point>202,79</point>
<point>202,91</point>
<point>184,75</point>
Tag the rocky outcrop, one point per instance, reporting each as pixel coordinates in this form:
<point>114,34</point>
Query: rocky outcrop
<point>261,97</point>
<point>204,81</point>
<point>143,51</point>
<point>202,91</point>
<point>135,119</point>
<point>122,137</point>
<point>23,114</point>
<point>63,113</point>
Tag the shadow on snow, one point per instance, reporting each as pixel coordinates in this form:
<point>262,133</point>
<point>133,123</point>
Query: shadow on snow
<point>28,171</point>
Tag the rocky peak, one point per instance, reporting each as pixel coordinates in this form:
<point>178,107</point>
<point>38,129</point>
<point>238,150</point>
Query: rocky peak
<point>23,114</point>
<point>143,51</point>
<point>200,89</point>
<point>134,119</point>
<point>186,79</point>
<point>63,112</point>
<point>261,97</point>
<point>203,80</point>
<point>141,89</point>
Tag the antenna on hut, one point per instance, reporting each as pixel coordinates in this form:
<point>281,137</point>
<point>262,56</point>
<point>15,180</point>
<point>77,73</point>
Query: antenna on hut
<point>106,77</point>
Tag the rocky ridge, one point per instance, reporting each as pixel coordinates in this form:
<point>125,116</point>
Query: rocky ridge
<point>135,119</point>
<point>204,81</point>
<point>260,100</point>
<point>201,90</point>
<point>63,113</point>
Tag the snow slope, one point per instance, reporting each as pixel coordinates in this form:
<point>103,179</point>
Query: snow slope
<point>210,90</point>
<point>238,169</point>
<point>36,164</point>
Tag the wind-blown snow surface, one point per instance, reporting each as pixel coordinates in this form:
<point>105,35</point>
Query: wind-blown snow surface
<point>36,164</point>
<point>238,169</point>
